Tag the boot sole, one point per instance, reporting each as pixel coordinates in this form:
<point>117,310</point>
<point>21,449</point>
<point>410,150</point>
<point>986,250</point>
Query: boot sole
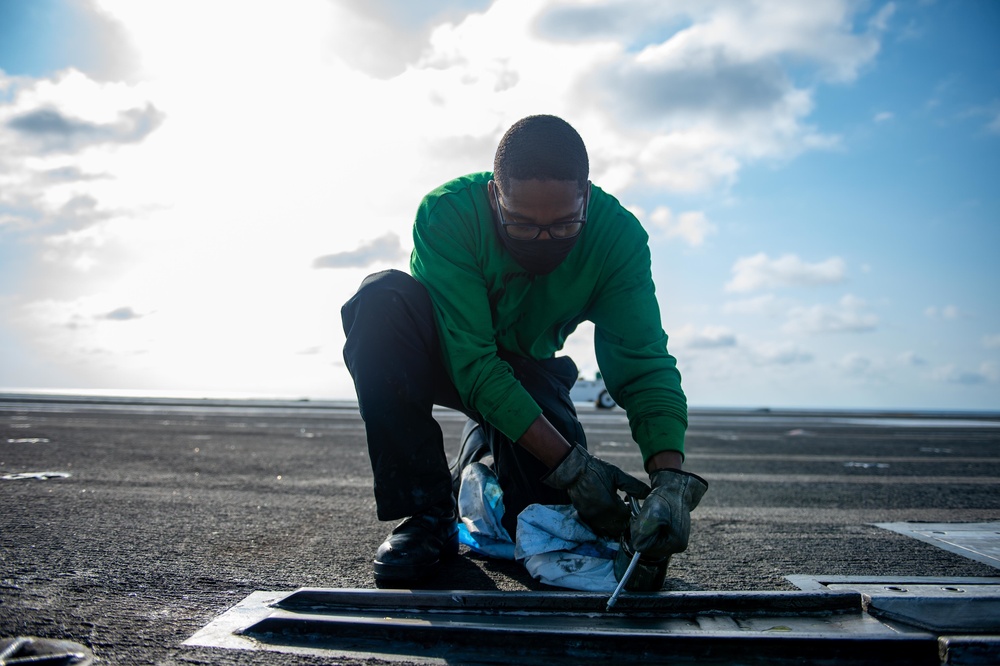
<point>393,574</point>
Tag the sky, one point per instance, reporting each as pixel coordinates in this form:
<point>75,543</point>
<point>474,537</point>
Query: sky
<point>190,190</point>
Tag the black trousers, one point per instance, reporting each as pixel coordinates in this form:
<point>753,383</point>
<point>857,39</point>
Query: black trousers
<point>393,354</point>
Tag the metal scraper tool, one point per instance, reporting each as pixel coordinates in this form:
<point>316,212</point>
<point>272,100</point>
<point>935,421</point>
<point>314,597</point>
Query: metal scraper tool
<point>631,565</point>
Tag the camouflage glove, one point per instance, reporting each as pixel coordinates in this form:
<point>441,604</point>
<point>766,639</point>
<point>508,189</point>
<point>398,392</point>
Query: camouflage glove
<point>593,487</point>
<point>664,522</point>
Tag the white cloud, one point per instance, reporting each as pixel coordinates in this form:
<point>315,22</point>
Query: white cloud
<point>732,32</point>
<point>849,315</point>
<point>880,22</point>
<point>708,337</point>
<point>685,112</point>
<point>761,272</point>
<point>991,341</point>
<point>855,364</point>
<point>51,130</point>
<point>993,126</point>
<point>124,313</point>
<point>63,144</point>
<point>781,353</point>
<point>987,373</point>
<point>385,248</point>
<point>949,312</point>
<point>884,116</point>
<point>384,37</point>
<point>859,365</point>
<point>692,227</point>
<point>252,138</point>
<point>912,359</point>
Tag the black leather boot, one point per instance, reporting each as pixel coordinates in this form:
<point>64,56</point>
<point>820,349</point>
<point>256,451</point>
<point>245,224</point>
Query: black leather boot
<point>417,546</point>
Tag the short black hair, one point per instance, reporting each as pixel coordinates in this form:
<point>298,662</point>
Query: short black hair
<point>541,148</point>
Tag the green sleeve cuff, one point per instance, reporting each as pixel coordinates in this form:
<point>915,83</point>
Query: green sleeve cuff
<point>661,434</point>
<point>514,413</point>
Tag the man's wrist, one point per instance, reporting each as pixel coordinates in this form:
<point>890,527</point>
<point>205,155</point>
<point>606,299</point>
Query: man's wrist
<point>664,460</point>
<point>544,442</point>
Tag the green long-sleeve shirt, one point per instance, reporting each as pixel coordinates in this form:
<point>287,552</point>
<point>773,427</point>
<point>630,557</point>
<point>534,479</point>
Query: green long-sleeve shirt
<point>484,300</point>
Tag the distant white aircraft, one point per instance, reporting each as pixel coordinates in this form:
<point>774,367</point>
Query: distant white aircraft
<point>592,391</point>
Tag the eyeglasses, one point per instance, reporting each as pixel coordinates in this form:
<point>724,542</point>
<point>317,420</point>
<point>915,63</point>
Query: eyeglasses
<point>556,230</point>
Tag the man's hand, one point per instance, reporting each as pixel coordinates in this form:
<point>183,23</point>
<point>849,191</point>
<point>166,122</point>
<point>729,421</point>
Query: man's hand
<point>593,487</point>
<point>663,525</point>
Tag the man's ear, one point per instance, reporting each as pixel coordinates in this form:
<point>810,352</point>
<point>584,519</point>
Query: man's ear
<point>491,195</point>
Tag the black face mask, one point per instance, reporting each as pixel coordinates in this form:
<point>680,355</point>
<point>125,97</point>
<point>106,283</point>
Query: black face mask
<point>538,257</point>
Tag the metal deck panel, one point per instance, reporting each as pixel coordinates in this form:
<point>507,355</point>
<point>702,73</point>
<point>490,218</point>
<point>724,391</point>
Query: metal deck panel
<point>566,627</point>
<point>977,541</point>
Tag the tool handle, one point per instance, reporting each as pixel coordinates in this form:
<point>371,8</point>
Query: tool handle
<point>621,584</point>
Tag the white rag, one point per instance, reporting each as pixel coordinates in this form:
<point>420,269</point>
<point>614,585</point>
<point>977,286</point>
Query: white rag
<point>555,546</point>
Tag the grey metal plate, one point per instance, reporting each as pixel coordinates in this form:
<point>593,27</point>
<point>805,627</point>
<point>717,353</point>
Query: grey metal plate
<point>977,541</point>
<point>944,605</point>
<point>566,627</point>
<point>969,650</point>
